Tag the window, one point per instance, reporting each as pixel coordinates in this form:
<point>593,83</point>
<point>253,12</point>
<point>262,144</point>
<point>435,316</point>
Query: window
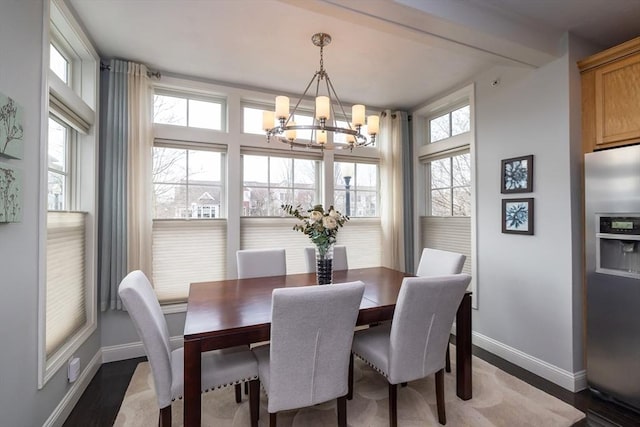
<point>451,124</point>
<point>206,113</point>
<point>270,181</point>
<point>444,148</point>
<point>187,183</point>
<point>189,236</point>
<point>68,290</point>
<point>58,63</point>
<point>356,189</point>
<point>450,182</point>
<point>58,161</point>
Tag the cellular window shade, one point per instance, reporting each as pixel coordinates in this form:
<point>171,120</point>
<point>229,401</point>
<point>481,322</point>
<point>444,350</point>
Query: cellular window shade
<point>363,239</point>
<point>447,234</point>
<point>65,289</point>
<point>186,251</point>
<point>276,233</point>
<point>361,236</point>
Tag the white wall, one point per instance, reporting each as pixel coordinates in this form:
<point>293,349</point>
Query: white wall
<point>21,77</point>
<point>530,294</point>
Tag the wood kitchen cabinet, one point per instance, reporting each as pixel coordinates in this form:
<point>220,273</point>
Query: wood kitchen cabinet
<point>611,97</point>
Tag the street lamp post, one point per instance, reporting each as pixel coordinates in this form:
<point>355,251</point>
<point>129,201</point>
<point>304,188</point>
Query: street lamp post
<point>347,180</point>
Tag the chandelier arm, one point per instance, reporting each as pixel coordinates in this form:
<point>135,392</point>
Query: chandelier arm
<point>331,89</point>
<point>304,94</point>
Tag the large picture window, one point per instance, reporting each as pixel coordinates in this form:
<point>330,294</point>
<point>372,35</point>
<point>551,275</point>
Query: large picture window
<point>270,181</point>
<point>187,183</point>
<point>356,189</point>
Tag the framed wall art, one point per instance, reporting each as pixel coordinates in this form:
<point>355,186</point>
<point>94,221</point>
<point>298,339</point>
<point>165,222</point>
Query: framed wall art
<point>10,194</point>
<point>517,216</point>
<point>517,175</point>
<point>11,130</point>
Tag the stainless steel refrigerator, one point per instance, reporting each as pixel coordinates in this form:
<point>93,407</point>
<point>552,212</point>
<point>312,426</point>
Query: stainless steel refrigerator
<point>612,229</point>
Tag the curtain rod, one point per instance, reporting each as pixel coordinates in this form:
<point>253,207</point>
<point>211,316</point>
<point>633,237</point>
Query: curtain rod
<point>155,74</point>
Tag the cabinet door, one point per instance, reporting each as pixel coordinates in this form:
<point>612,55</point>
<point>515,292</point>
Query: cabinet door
<point>618,101</point>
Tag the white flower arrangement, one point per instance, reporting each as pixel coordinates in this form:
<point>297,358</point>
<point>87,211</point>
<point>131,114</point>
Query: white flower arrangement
<point>321,226</point>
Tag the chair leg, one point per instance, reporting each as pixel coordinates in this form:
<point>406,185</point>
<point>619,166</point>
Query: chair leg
<point>164,418</point>
<point>448,360</point>
<point>272,420</point>
<point>254,402</point>
<point>238,388</point>
<point>246,388</point>
<point>350,392</point>
<point>404,384</point>
<point>342,411</point>
<point>442,416</point>
<point>393,405</point>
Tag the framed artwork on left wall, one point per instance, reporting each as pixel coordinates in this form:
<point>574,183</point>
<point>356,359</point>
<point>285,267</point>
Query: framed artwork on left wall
<point>11,130</point>
<point>10,193</point>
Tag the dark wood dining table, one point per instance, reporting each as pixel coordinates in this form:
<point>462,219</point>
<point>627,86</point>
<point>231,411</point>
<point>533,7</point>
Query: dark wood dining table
<point>228,313</point>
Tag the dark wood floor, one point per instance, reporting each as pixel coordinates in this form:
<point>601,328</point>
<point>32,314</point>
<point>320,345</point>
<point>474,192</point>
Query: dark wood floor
<point>100,403</point>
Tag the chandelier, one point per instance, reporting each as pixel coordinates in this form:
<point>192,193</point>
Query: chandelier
<point>281,124</point>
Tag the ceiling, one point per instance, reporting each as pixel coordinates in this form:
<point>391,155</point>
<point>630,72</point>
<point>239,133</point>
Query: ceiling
<point>385,53</point>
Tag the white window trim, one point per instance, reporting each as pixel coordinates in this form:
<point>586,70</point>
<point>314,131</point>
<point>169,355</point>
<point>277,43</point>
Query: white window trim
<point>65,23</point>
<point>421,115</point>
<point>237,141</point>
<point>196,96</point>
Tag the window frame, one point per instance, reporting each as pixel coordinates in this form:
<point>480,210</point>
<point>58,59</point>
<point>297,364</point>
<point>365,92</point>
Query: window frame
<point>80,97</point>
<point>423,150</point>
<point>195,96</point>
<point>449,113</point>
<point>427,178</point>
<point>195,146</point>
<point>318,184</point>
<point>69,150</point>
<point>354,190</point>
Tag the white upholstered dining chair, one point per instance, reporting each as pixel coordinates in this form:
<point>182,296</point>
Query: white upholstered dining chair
<point>436,262</point>
<point>261,263</point>
<point>413,345</point>
<point>339,258</point>
<point>219,368</point>
<point>307,361</point>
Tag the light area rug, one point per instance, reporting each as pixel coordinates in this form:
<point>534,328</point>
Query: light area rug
<point>499,400</point>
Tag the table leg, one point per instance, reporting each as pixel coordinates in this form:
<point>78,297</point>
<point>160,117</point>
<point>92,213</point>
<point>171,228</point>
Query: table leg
<point>463,349</point>
<point>192,383</point>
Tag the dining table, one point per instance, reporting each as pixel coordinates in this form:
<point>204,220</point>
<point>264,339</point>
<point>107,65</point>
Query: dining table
<point>228,313</point>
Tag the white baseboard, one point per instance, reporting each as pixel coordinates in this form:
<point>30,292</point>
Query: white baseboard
<point>573,382</point>
<point>64,408</point>
<point>115,353</point>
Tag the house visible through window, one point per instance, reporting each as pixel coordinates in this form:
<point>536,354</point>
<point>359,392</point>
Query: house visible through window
<point>187,183</point>
<point>270,181</point>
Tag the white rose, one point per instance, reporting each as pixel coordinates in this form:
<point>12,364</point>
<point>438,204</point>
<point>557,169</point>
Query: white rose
<point>329,222</point>
<point>333,213</point>
<point>315,216</point>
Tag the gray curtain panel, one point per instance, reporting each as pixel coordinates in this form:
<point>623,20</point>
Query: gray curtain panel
<point>112,224</point>
<point>407,185</point>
